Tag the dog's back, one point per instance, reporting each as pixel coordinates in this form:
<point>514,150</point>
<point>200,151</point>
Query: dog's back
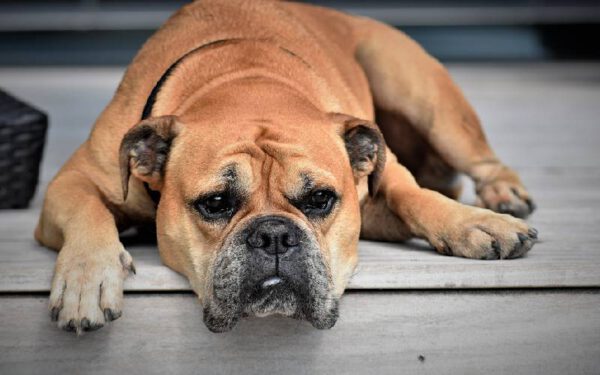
<point>324,38</point>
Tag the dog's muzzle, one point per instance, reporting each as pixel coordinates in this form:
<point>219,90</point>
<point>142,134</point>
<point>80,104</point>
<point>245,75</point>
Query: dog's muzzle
<point>272,266</point>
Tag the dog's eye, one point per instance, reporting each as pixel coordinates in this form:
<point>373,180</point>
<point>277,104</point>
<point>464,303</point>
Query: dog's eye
<point>217,206</point>
<point>319,203</point>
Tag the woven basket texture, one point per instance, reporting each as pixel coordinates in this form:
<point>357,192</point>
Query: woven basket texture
<point>22,139</point>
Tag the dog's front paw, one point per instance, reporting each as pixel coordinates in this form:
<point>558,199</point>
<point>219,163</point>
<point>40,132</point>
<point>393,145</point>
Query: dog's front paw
<point>482,234</point>
<point>504,193</point>
<point>87,289</point>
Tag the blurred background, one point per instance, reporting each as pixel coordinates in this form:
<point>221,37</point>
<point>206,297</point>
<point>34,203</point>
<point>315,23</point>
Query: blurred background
<point>109,32</point>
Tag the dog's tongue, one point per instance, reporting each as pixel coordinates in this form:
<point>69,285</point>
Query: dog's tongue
<point>270,282</point>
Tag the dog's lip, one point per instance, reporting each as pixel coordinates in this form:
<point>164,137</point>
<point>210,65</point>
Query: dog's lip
<point>270,282</point>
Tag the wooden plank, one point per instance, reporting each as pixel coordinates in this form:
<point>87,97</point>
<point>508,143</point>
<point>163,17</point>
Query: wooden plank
<point>568,256</point>
<point>384,333</point>
<point>537,114</point>
<point>28,268</point>
<point>554,189</point>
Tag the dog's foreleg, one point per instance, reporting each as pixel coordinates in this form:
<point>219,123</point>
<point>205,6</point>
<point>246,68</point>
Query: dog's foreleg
<point>87,288</point>
<point>449,226</point>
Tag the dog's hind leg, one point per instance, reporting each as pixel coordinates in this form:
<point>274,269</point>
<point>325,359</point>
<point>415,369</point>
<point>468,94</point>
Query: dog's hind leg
<point>429,169</point>
<point>408,84</point>
<point>87,288</point>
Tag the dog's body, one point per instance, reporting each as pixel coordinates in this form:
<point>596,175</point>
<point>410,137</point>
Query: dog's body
<point>251,134</point>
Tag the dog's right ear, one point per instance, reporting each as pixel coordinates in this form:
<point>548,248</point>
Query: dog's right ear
<point>144,151</point>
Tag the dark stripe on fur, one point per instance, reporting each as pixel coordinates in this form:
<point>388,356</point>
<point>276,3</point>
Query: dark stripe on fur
<point>147,112</point>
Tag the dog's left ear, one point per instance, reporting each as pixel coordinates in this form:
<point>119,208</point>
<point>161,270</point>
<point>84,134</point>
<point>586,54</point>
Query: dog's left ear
<point>366,149</point>
<point>144,151</point>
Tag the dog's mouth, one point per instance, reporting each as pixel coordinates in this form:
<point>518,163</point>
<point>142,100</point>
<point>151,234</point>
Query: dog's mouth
<point>273,295</point>
<point>245,284</point>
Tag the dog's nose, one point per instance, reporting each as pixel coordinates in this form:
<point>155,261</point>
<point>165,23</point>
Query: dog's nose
<point>274,236</point>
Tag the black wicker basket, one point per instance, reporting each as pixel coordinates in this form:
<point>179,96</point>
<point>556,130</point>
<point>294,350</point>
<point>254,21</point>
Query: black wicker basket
<point>22,138</point>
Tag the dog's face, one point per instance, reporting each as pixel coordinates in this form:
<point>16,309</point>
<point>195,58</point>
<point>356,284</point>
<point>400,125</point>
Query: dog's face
<point>262,217</point>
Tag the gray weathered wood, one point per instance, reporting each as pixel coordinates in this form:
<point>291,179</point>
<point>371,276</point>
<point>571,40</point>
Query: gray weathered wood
<point>556,188</point>
<point>377,333</point>
<point>26,267</point>
<point>567,256</point>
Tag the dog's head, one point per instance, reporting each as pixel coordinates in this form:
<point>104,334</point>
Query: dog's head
<point>260,212</point>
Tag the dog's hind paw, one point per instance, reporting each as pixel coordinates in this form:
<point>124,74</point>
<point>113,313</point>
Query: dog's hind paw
<point>87,289</point>
<point>504,193</point>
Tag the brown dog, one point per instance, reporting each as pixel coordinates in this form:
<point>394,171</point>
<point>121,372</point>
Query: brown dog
<point>251,122</point>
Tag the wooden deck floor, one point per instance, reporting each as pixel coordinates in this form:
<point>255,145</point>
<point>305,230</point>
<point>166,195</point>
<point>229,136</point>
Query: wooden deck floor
<point>409,309</point>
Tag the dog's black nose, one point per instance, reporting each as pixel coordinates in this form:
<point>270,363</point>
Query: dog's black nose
<point>273,235</point>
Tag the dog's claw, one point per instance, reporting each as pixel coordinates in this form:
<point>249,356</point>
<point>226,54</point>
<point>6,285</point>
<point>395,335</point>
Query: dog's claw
<point>497,249</point>
<point>88,326</point>
<point>110,315</point>
<point>54,314</point>
<point>533,233</point>
<point>522,238</point>
<point>70,327</point>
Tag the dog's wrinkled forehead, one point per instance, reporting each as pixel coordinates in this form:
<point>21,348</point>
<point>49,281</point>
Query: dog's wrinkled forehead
<point>253,161</point>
